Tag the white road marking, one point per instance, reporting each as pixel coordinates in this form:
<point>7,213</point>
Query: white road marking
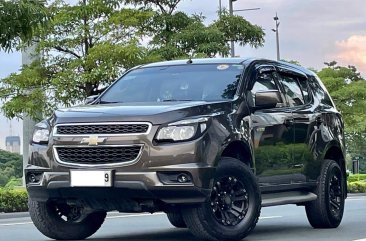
<point>13,224</point>
<point>270,217</point>
<point>123,216</point>
<point>355,199</point>
<point>364,239</point>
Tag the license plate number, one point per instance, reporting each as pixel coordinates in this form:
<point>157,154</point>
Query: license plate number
<point>90,178</point>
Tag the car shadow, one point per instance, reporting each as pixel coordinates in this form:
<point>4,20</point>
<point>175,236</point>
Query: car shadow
<point>261,232</point>
<point>166,235</point>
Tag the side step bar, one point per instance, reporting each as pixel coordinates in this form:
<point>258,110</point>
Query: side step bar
<point>283,198</point>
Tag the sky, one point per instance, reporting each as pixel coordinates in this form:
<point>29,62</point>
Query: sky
<point>311,32</point>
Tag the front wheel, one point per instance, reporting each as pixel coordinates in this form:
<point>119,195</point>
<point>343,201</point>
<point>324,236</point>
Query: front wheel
<point>233,208</point>
<point>327,210</point>
<point>61,222</point>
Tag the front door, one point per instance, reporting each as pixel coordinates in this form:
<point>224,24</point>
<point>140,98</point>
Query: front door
<point>273,134</point>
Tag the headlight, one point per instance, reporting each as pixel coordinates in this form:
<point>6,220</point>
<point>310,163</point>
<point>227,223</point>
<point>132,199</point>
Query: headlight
<point>182,130</point>
<point>41,133</point>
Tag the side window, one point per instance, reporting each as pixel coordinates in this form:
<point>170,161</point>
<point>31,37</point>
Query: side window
<point>292,89</point>
<point>263,82</point>
<point>320,91</point>
<point>305,90</point>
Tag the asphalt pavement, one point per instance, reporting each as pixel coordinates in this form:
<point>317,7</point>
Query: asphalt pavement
<point>282,223</point>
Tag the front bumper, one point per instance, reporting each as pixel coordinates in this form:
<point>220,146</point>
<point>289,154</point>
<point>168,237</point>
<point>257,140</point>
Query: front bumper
<point>140,180</point>
<point>126,185</point>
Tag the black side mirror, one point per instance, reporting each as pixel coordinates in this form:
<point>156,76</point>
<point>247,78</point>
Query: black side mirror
<point>90,99</point>
<point>267,99</point>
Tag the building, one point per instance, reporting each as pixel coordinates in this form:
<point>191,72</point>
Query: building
<point>12,144</point>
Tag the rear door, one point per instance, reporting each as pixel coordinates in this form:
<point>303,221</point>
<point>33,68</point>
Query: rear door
<point>296,89</point>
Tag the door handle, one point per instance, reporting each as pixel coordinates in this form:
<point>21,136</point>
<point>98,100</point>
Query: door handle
<point>289,122</point>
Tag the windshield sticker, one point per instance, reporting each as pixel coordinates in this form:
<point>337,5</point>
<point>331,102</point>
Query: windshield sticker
<point>223,66</point>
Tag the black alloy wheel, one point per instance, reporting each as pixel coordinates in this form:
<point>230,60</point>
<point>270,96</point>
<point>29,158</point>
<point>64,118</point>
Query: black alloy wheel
<point>232,209</point>
<point>327,210</point>
<point>229,201</point>
<point>335,193</point>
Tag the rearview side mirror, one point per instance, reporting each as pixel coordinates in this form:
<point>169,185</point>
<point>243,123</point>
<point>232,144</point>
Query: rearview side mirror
<point>267,99</point>
<point>90,99</point>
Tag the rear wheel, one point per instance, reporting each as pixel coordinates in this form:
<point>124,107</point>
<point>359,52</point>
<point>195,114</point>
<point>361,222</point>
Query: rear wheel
<point>63,222</point>
<point>233,208</point>
<point>327,210</point>
<point>176,219</point>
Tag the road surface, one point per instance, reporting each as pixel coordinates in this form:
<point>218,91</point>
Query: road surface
<point>280,223</point>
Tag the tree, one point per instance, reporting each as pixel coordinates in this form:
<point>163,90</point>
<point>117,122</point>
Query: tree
<point>87,45</point>
<point>348,90</point>
<point>11,166</point>
<point>19,19</point>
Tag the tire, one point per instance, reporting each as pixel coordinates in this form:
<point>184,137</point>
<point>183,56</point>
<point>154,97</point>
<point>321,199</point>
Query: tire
<point>176,219</point>
<point>48,221</point>
<point>204,220</point>
<point>327,210</point>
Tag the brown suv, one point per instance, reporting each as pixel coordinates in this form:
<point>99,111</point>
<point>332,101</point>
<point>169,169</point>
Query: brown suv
<point>208,141</point>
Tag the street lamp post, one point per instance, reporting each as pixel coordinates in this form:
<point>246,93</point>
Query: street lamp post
<point>231,11</point>
<point>277,36</point>
<point>220,7</point>
<point>232,43</point>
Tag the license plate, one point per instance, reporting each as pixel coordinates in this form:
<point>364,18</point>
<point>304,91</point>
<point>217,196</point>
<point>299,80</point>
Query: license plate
<point>90,178</point>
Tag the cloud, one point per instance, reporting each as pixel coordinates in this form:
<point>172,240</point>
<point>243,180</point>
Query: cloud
<point>352,51</point>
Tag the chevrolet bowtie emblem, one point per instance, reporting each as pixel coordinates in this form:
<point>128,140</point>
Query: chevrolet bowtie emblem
<point>93,140</point>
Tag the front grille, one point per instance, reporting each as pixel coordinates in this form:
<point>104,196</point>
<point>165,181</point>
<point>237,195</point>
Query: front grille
<point>97,155</point>
<point>99,129</point>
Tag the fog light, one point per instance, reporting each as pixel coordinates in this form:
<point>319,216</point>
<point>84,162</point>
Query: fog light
<point>34,177</point>
<point>175,177</point>
<point>183,178</point>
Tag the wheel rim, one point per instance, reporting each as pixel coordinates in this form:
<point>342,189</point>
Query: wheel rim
<point>229,201</point>
<point>67,213</point>
<point>335,193</point>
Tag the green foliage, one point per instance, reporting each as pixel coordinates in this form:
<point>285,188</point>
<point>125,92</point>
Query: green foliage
<point>14,182</point>
<point>356,177</point>
<point>357,187</point>
<point>356,183</point>
<point>11,166</point>
<point>348,90</point>
<point>87,45</point>
<point>18,21</point>
<point>13,200</point>
<point>236,28</point>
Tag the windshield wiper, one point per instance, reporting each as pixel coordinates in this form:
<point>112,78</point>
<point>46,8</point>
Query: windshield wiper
<point>172,100</point>
<point>107,102</point>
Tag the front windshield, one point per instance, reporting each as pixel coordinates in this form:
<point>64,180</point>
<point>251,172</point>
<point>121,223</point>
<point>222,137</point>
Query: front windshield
<point>205,82</point>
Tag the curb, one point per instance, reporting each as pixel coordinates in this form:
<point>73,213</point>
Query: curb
<point>14,215</point>
<point>356,194</point>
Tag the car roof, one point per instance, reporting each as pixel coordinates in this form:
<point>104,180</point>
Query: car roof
<point>198,61</point>
<point>223,61</point>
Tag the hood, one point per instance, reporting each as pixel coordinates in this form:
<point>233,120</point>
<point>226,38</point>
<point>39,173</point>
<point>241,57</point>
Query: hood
<point>154,112</point>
